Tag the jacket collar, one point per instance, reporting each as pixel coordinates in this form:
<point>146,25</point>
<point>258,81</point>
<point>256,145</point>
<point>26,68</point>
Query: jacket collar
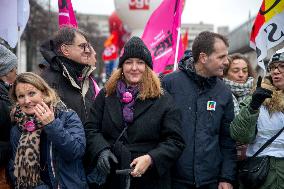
<point>276,103</point>
<point>47,51</point>
<point>85,83</point>
<point>187,66</point>
<point>114,108</point>
<point>4,88</point>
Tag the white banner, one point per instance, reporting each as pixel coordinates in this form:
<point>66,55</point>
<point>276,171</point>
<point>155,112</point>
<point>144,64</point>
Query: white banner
<point>13,13</point>
<point>268,29</point>
<point>270,35</point>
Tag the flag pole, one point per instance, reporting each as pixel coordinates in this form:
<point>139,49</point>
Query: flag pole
<point>19,50</point>
<point>177,49</point>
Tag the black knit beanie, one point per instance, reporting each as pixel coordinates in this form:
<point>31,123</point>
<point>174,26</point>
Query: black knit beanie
<point>135,48</point>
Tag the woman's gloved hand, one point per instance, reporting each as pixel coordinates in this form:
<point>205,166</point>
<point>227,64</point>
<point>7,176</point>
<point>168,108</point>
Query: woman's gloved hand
<point>104,161</point>
<point>259,95</point>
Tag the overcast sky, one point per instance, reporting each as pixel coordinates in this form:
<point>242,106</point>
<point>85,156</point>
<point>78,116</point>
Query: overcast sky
<point>230,13</point>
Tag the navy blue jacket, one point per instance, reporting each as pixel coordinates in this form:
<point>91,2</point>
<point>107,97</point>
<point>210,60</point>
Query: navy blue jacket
<point>210,154</point>
<point>66,136</point>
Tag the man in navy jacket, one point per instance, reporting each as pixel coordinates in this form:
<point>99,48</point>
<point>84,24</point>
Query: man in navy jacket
<point>209,159</point>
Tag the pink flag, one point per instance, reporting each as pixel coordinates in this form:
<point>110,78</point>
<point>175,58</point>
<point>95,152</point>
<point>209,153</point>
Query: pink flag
<point>66,14</point>
<point>161,33</point>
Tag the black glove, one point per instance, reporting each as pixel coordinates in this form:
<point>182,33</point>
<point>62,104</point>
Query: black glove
<point>104,161</point>
<point>259,95</point>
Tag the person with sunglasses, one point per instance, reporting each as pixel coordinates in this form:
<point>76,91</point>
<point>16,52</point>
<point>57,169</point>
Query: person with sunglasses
<point>69,61</point>
<point>261,117</point>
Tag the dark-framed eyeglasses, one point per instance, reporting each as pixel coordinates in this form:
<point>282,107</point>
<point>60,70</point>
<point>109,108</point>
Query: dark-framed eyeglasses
<point>273,66</point>
<point>82,46</point>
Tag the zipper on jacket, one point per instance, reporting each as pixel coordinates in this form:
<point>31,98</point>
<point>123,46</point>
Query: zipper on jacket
<point>210,112</point>
<point>85,108</point>
<point>194,132</point>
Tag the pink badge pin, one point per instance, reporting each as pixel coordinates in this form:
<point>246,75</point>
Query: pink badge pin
<point>126,97</point>
<point>30,126</point>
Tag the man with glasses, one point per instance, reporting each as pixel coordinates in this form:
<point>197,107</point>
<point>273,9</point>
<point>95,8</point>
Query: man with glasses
<point>71,61</point>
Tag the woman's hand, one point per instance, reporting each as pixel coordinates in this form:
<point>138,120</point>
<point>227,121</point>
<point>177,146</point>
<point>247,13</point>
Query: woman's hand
<point>90,57</point>
<point>140,164</point>
<point>225,185</point>
<point>259,95</point>
<point>43,113</point>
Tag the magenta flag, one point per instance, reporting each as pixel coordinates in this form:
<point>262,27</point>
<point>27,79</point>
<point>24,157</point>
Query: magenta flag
<point>66,14</point>
<point>161,33</point>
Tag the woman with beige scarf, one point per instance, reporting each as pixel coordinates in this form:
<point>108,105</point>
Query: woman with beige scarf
<point>260,118</point>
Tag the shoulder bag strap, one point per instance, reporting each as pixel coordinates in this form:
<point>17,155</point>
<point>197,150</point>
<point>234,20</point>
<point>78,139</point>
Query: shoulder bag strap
<point>267,143</point>
<point>121,134</point>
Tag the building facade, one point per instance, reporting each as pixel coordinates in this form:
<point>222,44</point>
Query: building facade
<point>194,29</point>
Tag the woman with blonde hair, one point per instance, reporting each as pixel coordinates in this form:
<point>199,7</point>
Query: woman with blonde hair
<point>48,140</point>
<point>134,127</point>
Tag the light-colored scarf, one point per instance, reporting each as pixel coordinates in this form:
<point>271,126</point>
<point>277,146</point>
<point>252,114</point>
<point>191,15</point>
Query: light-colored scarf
<point>240,91</point>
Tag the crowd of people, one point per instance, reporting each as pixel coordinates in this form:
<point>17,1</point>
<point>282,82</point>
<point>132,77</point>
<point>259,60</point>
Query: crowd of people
<point>186,130</point>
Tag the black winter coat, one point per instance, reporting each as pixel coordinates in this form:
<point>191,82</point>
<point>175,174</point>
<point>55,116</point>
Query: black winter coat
<point>154,131</point>
<point>5,124</point>
<point>70,95</point>
<point>210,153</point>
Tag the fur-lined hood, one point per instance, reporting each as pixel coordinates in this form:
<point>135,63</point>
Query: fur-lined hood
<point>276,103</point>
